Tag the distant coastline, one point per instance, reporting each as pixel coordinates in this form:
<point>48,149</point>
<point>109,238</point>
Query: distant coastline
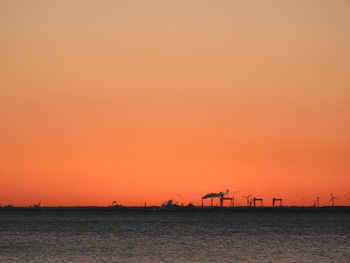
<point>153,209</point>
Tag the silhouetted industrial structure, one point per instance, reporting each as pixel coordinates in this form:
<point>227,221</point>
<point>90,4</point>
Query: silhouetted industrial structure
<point>277,200</point>
<point>256,200</point>
<point>222,197</point>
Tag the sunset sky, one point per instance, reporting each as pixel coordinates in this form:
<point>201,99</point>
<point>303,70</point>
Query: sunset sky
<point>145,101</point>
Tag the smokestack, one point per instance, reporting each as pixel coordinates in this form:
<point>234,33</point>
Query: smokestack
<point>213,195</point>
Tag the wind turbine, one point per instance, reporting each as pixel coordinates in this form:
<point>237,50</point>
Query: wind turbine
<point>247,197</point>
<point>332,199</point>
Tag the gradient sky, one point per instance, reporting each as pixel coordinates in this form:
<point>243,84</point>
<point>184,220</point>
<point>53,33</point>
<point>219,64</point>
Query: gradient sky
<point>144,101</point>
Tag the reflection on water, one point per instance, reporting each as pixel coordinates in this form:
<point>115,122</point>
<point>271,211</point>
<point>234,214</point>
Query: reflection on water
<point>174,237</point>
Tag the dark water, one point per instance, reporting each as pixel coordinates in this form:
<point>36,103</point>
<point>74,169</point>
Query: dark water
<point>174,237</point>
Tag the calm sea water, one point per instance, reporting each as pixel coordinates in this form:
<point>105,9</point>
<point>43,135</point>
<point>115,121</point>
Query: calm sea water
<point>174,237</point>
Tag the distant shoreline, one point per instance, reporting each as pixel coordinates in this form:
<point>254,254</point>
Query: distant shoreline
<point>153,209</point>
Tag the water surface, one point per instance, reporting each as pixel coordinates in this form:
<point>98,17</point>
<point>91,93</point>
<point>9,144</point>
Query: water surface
<point>126,237</point>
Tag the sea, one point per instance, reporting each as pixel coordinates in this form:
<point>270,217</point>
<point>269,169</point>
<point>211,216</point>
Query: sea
<point>130,237</point>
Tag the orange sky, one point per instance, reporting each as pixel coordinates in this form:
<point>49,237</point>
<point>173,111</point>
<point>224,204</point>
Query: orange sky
<point>144,101</point>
